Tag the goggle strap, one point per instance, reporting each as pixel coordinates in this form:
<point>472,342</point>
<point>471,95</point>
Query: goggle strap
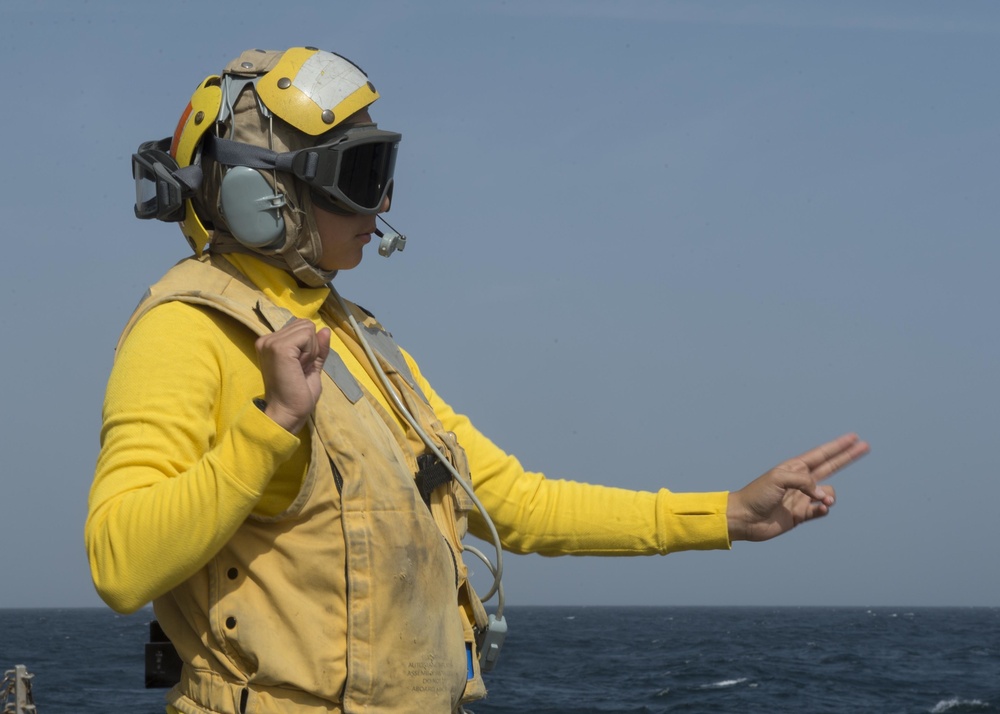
<point>235,153</point>
<point>190,176</point>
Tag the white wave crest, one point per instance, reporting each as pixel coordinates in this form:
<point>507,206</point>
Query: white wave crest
<point>947,705</point>
<point>724,683</point>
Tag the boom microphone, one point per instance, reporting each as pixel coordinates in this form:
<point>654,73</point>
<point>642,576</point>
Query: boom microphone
<point>391,241</point>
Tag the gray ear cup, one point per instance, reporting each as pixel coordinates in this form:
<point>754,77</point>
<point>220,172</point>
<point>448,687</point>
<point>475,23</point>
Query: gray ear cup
<point>252,208</point>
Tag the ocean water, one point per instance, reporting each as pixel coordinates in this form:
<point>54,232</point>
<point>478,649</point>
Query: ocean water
<point>583,660</point>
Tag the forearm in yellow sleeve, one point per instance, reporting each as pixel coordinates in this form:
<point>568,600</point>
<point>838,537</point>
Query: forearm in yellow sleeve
<point>534,514</point>
<point>180,466</point>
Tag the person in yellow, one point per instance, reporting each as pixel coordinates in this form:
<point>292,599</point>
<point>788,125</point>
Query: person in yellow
<point>278,477</point>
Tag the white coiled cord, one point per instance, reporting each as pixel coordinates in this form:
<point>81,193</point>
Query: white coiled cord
<point>497,570</point>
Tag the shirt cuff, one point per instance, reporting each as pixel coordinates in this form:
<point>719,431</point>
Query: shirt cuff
<point>692,521</point>
<point>254,447</point>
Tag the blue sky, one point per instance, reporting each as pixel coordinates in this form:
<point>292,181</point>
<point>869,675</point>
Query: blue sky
<point>651,244</point>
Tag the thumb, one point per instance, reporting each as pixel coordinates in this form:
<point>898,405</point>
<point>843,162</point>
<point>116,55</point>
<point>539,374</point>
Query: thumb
<point>322,347</point>
<point>324,341</point>
<point>797,477</point>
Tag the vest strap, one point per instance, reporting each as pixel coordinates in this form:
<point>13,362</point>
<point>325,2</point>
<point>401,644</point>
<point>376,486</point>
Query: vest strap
<point>432,474</point>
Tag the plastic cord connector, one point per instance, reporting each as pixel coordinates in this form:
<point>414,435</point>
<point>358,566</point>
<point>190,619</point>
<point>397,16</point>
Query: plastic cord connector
<point>489,650</point>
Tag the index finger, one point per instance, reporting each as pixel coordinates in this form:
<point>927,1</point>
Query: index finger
<point>832,456</point>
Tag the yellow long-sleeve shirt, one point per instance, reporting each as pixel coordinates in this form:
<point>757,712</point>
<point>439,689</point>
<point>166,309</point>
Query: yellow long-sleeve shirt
<point>186,457</point>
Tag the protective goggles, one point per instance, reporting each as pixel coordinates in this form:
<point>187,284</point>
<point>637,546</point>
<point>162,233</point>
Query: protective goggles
<point>353,170</point>
<point>160,186</point>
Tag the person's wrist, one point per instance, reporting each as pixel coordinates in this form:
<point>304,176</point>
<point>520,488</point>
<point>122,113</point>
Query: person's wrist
<point>284,418</point>
<point>735,517</point>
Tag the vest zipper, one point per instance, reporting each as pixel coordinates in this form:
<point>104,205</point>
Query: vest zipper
<point>454,559</point>
<point>338,480</point>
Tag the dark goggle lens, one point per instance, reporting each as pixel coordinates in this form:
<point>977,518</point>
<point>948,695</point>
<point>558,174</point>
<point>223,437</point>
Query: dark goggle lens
<point>365,173</point>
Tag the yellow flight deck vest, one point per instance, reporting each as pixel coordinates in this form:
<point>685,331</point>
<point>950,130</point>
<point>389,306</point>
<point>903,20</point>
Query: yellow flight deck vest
<point>257,628</point>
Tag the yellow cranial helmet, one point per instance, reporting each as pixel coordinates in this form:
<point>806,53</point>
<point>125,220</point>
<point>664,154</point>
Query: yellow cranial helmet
<point>314,91</point>
<point>281,102</point>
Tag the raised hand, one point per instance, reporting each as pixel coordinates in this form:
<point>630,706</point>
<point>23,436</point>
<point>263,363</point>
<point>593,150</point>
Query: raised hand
<point>291,363</point>
<point>790,493</point>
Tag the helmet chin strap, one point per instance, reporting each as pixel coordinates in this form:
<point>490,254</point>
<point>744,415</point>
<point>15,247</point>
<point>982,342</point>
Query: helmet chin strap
<point>304,252</point>
<point>306,274</point>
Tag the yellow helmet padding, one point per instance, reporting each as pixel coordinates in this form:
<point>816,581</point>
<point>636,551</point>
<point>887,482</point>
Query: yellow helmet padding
<point>314,91</point>
<point>198,118</point>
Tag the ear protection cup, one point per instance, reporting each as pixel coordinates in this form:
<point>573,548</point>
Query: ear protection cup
<point>252,208</point>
